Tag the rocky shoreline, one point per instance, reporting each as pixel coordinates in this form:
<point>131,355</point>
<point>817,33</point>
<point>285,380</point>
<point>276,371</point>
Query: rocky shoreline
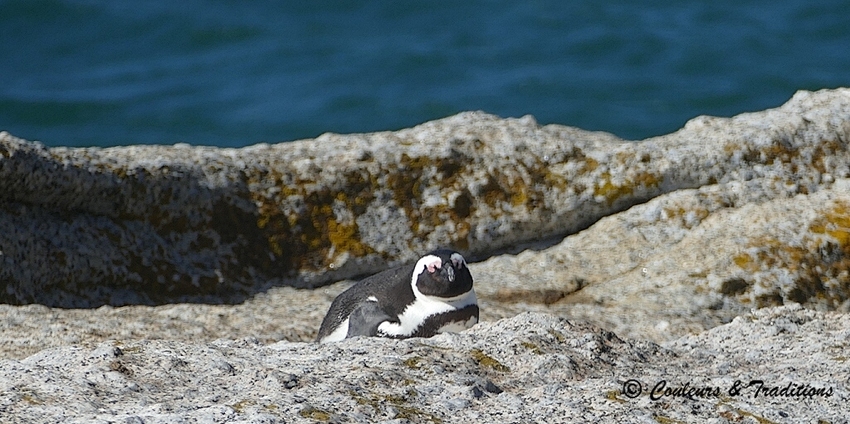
<point>208,270</point>
<point>85,227</point>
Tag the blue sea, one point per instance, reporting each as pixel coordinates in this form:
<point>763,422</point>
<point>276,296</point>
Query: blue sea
<point>232,73</point>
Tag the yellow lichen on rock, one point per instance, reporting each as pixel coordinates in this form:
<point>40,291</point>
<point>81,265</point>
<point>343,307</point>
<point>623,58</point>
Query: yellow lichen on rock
<point>835,222</point>
<point>818,266</point>
<point>611,192</point>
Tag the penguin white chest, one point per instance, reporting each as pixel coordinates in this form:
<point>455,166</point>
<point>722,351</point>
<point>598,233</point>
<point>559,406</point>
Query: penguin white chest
<point>338,334</point>
<point>423,308</point>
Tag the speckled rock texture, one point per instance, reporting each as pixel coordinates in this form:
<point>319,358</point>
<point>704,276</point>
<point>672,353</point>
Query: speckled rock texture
<point>686,261</point>
<point>778,365</point>
<point>155,224</point>
<point>690,262</point>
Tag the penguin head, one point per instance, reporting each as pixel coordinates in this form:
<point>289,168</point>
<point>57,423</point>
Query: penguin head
<point>442,273</point>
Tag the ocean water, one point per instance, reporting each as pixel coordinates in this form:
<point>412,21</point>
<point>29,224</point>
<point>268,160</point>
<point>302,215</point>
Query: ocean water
<point>228,73</point>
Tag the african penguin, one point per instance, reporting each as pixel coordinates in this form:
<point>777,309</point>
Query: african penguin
<point>433,296</point>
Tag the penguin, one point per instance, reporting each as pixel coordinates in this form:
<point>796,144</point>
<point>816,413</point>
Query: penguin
<point>435,295</point>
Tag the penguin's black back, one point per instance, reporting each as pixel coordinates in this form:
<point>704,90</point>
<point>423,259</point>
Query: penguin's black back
<point>391,288</point>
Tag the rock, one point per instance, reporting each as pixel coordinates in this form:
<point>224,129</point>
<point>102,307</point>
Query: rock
<point>685,262</point>
<point>605,270</point>
<point>155,224</point>
<point>679,264</point>
<point>281,314</point>
<point>532,367</point>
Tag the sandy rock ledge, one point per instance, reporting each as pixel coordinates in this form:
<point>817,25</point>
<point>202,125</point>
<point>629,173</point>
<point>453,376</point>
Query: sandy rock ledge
<point>533,367</point>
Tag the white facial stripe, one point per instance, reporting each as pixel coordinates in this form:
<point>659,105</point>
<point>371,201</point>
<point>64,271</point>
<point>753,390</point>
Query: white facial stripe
<point>422,308</point>
<point>458,301</point>
<point>338,334</point>
<point>423,263</point>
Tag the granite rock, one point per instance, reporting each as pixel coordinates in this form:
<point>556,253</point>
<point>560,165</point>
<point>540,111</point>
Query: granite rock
<point>685,261</point>
<point>83,227</point>
<point>598,262</point>
<point>529,368</point>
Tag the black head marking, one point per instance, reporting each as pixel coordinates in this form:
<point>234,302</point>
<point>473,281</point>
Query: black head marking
<point>442,273</point>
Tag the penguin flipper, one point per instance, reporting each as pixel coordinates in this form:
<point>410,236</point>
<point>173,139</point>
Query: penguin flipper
<point>365,319</point>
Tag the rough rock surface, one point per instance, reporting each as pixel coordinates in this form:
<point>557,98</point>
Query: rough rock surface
<point>677,265</point>
<point>686,261</point>
<point>156,224</point>
<point>530,368</point>
<point>281,314</point>
<point>666,240</point>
